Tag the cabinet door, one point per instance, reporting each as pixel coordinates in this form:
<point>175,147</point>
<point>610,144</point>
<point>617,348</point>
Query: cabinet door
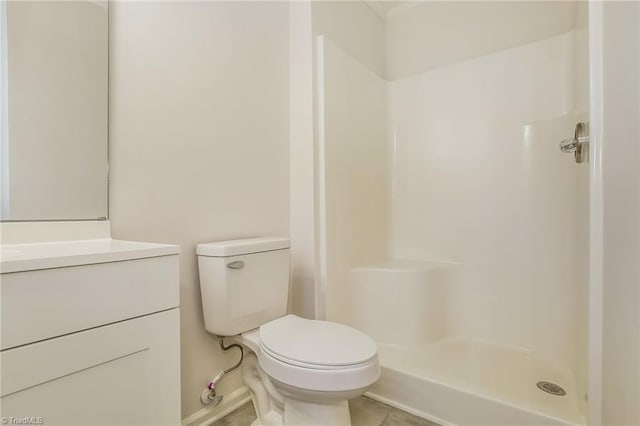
<point>127,373</point>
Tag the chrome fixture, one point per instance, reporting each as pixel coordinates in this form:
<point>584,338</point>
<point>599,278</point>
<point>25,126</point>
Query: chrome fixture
<point>551,388</point>
<point>238,264</point>
<point>578,144</point>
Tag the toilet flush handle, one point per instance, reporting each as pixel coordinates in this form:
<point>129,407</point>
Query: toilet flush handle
<point>238,264</point>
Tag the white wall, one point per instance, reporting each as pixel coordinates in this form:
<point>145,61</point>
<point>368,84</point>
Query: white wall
<point>426,35</point>
<point>199,142</point>
<point>620,138</point>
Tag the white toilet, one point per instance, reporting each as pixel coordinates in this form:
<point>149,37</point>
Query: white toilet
<point>299,372</point>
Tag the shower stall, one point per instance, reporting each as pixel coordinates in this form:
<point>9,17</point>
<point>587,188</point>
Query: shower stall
<point>453,230</point>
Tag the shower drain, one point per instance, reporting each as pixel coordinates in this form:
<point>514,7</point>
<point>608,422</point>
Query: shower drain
<point>551,388</point>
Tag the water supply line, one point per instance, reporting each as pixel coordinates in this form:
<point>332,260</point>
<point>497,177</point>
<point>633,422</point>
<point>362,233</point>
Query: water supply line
<point>209,394</point>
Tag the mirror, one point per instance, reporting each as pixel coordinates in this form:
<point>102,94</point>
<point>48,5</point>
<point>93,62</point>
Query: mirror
<point>54,92</point>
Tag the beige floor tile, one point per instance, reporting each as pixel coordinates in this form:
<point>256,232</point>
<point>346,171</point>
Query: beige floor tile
<point>364,412</point>
<point>400,418</point>
<point>367,412</point>
<point>243,416</point>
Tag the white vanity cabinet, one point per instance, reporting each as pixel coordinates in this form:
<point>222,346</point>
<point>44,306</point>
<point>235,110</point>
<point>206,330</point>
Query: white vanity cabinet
<point>90,334</point>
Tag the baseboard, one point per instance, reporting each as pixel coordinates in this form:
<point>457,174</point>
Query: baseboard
<point>208,415</point>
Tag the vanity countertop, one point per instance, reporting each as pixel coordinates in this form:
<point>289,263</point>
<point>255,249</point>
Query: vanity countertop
<point>33,256</point>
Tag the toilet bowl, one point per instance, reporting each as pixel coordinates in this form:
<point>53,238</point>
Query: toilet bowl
<point>307,370</point>
<point>299,372</point>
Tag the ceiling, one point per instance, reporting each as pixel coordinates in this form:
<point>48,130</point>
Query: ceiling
<point>386,8</point>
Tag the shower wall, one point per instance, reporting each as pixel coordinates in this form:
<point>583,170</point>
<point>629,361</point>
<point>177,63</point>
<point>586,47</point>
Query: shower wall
<point>460,163</point>
<point>354,172</point>
<point>356,28</point>
<point>426,35</point>
<point>457,162</point>
<point>478,179</point>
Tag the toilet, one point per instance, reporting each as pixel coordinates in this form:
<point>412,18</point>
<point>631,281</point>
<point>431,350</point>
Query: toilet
<point>299,371</point>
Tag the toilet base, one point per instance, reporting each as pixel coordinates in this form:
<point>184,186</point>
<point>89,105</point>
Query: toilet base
<point>302,413</point>
<point>275,405</point>
<point>271,419</point>
<point>314,414</point>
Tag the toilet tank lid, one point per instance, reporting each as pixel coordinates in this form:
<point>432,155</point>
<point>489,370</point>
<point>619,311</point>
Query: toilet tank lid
<point>242,246</point>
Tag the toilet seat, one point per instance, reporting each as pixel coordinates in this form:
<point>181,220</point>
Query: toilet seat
<point>316,344</point>
<point>296,363</point>
<point>292,364</point>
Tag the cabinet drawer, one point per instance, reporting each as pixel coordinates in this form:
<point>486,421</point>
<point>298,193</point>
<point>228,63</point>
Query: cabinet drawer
<point>124,373</point>
<point>38,305</point>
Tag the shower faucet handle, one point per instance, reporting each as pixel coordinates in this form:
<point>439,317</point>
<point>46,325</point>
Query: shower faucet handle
<point>568,145</point>
<point>578,144</point>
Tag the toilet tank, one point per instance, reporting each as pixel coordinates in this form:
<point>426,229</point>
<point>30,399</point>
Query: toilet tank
<point>243,283</point>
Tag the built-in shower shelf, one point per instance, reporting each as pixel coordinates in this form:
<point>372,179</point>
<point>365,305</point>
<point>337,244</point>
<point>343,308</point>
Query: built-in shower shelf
<point>417,286</point>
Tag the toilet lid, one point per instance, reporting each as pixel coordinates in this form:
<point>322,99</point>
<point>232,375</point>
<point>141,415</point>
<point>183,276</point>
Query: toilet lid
<point>320,343</point>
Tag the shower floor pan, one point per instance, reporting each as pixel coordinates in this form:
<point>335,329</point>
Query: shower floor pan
<point>459,381</point>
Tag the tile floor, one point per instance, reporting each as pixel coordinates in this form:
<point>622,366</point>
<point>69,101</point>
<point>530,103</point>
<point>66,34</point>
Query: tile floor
<point>364,412</point>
